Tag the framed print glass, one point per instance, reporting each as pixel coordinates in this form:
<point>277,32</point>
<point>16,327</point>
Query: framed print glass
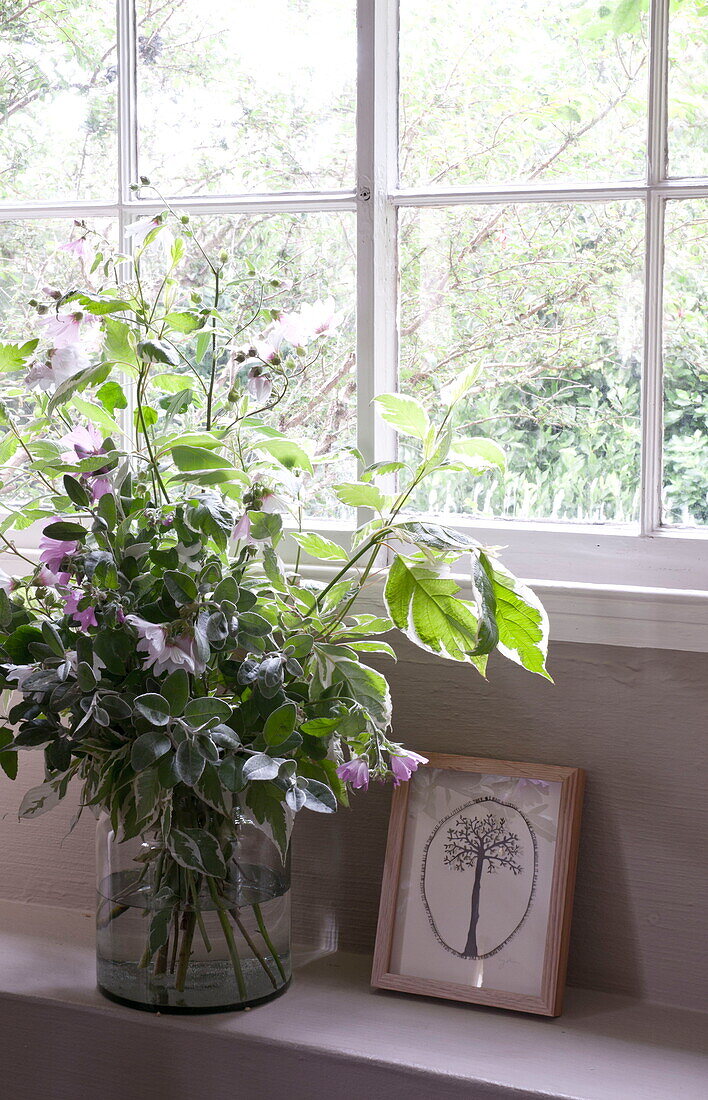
<point>478,883</point>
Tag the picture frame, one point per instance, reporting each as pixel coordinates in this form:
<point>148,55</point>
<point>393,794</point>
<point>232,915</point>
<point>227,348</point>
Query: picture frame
<point>499,938</point>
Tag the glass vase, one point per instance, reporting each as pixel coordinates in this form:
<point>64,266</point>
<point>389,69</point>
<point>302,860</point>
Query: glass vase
<point>169,939</point>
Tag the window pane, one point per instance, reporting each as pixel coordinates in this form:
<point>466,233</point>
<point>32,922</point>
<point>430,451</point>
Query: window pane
<point>502,90</point>
<point>247,96</point>
<point>311,258</point>
<point>688,88</point>
<point>58,85</point>
<point>686,364</point>
<point>31,259</point>
<point>549,300</point>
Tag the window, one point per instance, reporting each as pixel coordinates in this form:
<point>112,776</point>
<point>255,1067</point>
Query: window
<point>510,182</point>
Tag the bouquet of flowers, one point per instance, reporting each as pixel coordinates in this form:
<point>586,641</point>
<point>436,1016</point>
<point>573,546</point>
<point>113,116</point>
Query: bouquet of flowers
<point>161,652</point>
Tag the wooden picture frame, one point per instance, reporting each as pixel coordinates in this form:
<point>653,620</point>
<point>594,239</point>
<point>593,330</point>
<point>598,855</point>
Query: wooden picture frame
<point>539,975</point>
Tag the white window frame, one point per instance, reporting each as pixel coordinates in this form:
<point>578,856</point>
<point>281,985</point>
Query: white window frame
<point>652,580</point>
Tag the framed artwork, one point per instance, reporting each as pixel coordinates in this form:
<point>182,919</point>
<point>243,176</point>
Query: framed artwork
<point>478,883</point>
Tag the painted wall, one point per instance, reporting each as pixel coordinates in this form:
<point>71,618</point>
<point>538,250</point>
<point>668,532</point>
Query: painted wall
<point>634,719</point>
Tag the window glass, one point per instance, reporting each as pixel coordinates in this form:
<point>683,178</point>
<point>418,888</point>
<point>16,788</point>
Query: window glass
<point>241,96</point>
<point>686,364</point>
<point>58,87</point>
<point>688,88</point>
<point>505,90</point>
<point>548,299</point>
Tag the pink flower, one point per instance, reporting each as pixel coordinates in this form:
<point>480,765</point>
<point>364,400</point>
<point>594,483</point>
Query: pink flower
<point>99,486</point>
<point>259,385</point>
<point>404,765</point>
<point>7,583</point>
<point>356,772</point>
<point>85,618</point>
<point>60,365</point>
<point>53,552</point>
<point>46,579</point>
<point>79,248</point>
<point>85,442</point>
<point>272,503</point>
<point>140,229</point>
<point>164,654</point>
<point>242,530</point>
<point>65,330</point>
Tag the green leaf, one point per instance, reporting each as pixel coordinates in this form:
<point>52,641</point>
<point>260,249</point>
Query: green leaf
<point>189,762</point>
<point>199,712</point>
<point>180,586</point>
<point>97,415</point>
<point>435,537</point>
<point>176,690</point>
<point>320,727</point>
<point>14,356</point>
<point>361,494</point>
<point>365,685</point>
<point>86,677</point>
<point>197,850</point>
<point>373,647</point>
<point>183,322</point>
<point>159,932</point>
<point>460,385</point>
<point>522,621</point>
<point>153,707</point>
<point>52,639</point>
<point>406,414</point>
<point>65,531</point>
<point>261,767</point>
<point>191,459</point>
<point>486,451</point>
<point>319,547</point>
<point>426,607</point>
<point>17,645</point>
<point>149,747</point>
<point>39,800</point>
<point>627,16</point>
<point>280,724</point>
<point>319,797</point>
<point>487,629</point>
<point>112,397</point>
<point>118,343</point>
<point>75,491</point>
<point>287,452</point>
<point>8,760</point>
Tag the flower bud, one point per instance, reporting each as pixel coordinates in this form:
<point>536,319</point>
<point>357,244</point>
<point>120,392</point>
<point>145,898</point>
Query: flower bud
<point>223,257</point>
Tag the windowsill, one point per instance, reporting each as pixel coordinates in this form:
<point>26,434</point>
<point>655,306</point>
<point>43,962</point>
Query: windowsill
<point>634,615</point>
<point>329,1035</point>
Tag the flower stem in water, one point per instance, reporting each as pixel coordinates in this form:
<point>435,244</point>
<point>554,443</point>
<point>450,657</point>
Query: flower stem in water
<point>269,943</point>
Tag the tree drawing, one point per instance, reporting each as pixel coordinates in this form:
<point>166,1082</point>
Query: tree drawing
<point>479,843</point>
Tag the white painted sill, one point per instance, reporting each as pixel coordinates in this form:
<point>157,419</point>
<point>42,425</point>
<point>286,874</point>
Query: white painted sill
<point>329,1036</point>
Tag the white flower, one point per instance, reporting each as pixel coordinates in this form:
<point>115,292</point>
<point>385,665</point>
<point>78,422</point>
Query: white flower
<point>7,583</point>
<point>60,365</point>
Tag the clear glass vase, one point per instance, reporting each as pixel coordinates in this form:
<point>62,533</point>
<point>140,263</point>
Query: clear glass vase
<point>172,940</point>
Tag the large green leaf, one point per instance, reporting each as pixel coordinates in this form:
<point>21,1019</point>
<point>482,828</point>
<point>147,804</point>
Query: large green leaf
<point>405,414</point>
<point>479,452</point>
<point>317,546</point>
<point>427,608</point>
<point>435,536</point>
<point>363,684</point>
<point>287,452</point>
<point>358,494</point>
<point>14,356</point>
<point>521,619</point>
